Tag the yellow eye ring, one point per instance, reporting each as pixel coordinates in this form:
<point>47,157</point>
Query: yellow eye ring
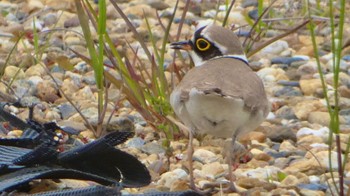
<point>202,44</point>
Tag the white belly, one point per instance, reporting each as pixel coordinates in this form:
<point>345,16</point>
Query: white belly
<point>213,114</point>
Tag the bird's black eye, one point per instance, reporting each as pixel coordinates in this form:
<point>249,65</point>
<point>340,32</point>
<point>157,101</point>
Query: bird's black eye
<point>202,44</point>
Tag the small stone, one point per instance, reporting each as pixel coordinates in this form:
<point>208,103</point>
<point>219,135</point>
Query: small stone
<point>306,192</point>
<point>135,142</point>
<point>157,4</point>
<point>204,156</point>
<point>152,148</point>
<point>52,116</point>
<point>263,157</point>
<point>47,92</point>
<point>321,118</point>
<point>286,60</point>
<point>179,185</point>
<point>50,19</point>
<point>303,108</point>
<point>288,91</point>
<point>286,145</point>
<point>309,140</point>
<point>168,178</point>
<point>275,48</point>
<point>309,87</point>
<point>289,181</point>
<point>249,183</point>
<point>259,173</point>
<point>322,132</point>
<point>253,14</point>
<point>343,65</point>
<point>72,22</point>
<point>213,169</point>
<point>285,112</point>
<point>258,136</point>
<point>35,80</point>
<point>35,70</point>
<point>13,73</point>
<point>279,134</point>
<point>249,3</point>
<point>66,110</point>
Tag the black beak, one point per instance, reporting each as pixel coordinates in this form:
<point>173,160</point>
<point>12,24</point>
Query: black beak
<point>183,45</point>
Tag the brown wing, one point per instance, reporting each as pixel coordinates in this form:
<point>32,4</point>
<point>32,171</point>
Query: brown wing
<point>225,77</point>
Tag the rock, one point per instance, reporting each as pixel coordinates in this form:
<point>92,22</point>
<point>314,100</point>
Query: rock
<point>52,116</point>
<point>286,60</point>
<point>279,134</point>
<point>262,157</point>
<point>179,185</point>
<point>140,11</point>
<point>66,110</point>
<point>169,178</point>
<point>249,183</point>
<point>322,132</point>
<point>321,118</point>
<point>309,68</point>
<point>286,145</point>
<point>346,58</point>
<point>285,112</point>
<point>315,165</point>
<point>258,136</point>
<point>152,148</point>
<point>50,19</point>
<point>314,187</point>
<point>69,87</point>
<point>253,14</point>
<point>204,156</point>
<point>303,108</point>
<point>47,92</point>
<point>343,65</point>
<point>309,86</point>
<point>249,3</point>
<point>344,91</point>
<point>274,49</point>
<point>35,70</point>
<point>157,4</point>
<point>259,173</point>
<point>35,80</point>
<point>13,73</point>
<point>135,142</point>
<point>288,91</point>
<point>34,5</point>
<point>276,155</point>
<point>213,169</point>
<point>306,192</point>
<point>289,181</point>
<point>269,74</point>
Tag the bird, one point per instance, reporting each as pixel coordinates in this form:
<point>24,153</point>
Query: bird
<point>221,95</point>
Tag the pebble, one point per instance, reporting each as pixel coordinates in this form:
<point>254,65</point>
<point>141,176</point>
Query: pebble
<point>13,73</point>
<point>168,178</point>
<point>279,134</point>
<point>286,60</point>
<point>213,169</point>
<point>274,49</point>
<point>152,148</point>
<point>66,110</point>
<point>204,156</point>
